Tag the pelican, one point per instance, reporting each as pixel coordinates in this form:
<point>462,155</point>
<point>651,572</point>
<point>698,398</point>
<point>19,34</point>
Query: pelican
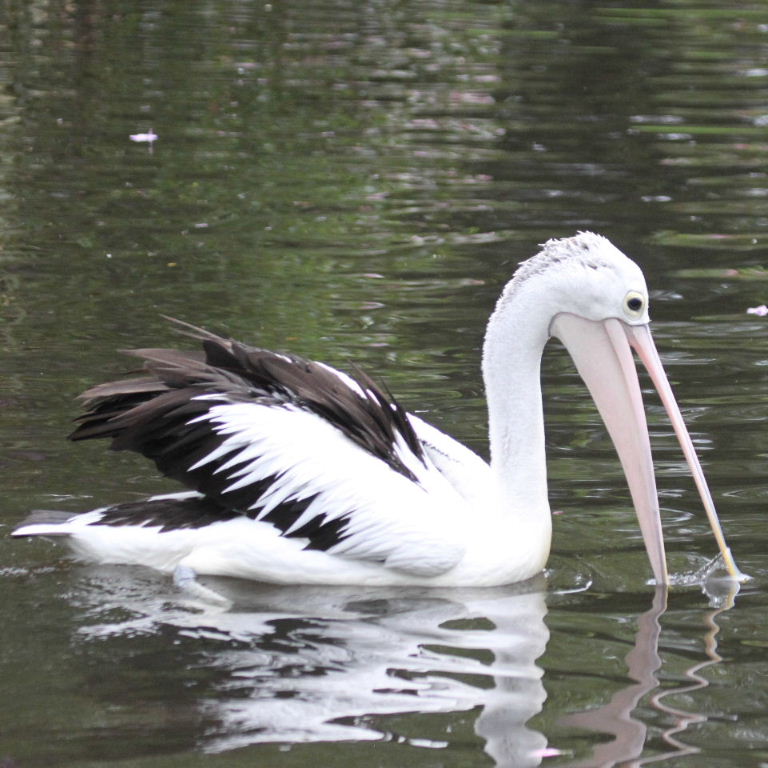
<point>297,473</point>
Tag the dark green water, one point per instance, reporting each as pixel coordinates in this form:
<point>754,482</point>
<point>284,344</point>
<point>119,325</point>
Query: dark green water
<point>355,181</point>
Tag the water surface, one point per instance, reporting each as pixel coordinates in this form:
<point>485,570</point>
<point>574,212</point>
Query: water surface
<point>355,182</point>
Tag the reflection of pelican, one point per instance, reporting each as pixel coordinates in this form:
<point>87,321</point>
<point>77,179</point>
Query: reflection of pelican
<point>617,716</point>
<point>308,664</point>
<point>621,717</point>
<point>302,474</point>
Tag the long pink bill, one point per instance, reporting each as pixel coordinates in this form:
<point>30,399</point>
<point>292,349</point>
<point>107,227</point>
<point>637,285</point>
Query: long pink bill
<point>602,354</point>
<point>640,338</point>
<point>608,370</point>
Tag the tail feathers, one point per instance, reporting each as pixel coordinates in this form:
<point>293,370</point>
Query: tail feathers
<point>44,522</point>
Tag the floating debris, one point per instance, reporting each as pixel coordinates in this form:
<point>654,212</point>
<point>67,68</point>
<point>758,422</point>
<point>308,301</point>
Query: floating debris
<point>546,752</point>
<point>761,311</point>
<point>144,138</point>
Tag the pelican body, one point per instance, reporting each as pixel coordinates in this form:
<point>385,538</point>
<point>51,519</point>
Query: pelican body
<point>299,473</point>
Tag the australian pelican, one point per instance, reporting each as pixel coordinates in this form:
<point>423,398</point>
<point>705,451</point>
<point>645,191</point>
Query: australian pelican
<point>298,473</point>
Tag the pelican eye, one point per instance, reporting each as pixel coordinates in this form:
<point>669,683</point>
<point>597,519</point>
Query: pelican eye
<point>634,302</point>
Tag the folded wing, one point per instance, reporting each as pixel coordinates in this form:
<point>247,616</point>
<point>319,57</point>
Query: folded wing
<point>324,457</point>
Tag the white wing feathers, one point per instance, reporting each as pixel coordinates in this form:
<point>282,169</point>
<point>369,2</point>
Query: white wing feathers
<point>410,526</point>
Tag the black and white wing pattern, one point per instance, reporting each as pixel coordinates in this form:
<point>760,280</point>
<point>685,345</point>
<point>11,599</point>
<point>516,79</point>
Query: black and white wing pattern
<point>327,458</point>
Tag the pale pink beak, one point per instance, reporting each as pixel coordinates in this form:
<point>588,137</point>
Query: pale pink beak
<point>602,354</point>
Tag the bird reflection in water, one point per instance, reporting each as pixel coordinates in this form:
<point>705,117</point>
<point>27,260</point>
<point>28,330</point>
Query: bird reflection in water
<point>298,665</point>
<point>617,717</point>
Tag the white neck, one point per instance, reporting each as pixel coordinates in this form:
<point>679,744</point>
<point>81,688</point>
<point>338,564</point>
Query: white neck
<point>514,343</point>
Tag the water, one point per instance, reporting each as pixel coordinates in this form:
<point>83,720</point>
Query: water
<point>355,182</point>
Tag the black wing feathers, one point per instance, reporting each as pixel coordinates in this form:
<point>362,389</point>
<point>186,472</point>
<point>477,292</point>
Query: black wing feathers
<point>160,416</point>
<point>172,514</point>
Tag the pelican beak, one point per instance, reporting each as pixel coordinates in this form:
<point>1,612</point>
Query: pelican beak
<point>602,352</point>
